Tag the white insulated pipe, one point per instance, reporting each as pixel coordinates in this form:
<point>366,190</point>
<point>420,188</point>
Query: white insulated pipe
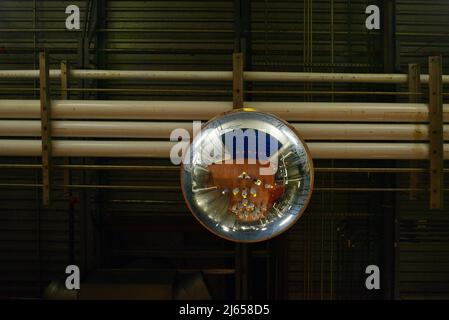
<point>204,110</point>
<point>162,130</point>
<point>364,132</point>
<point>154,75</point>
<point>161,149</point>
<point>84,148</point>
<point>93,129</point>
<point>377,151</point>
<point>125,110</point>
<point>263,76</point>
<point>256,76</point>
<point>124,75</point>
<point>27,74</point>
<point>253,76</point>
<point>348,112</point>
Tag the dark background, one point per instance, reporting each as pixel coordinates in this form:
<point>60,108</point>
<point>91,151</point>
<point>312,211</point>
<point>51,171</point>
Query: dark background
<point>124,235</point>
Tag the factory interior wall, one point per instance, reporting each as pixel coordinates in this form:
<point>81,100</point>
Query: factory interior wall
<point>325,254</point>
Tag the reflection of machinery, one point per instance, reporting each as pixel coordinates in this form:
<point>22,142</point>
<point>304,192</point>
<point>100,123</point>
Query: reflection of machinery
<point>251,195</point>
<point>248,176</point>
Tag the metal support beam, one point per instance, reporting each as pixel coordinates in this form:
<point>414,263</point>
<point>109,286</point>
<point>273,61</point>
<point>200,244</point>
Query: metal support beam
<point>242,36</point>
<point>241,42</point>
<point>242,26</point>
<point>67,174</point>
<point>237,82</point>
<point>241,271</point>
<point>414,85</point>
<point>436,132</point>
<point>389,214</point>
<point>64,80</point>
<point>280,267</point>
<point>45,102</point>
<point>65,96</point>
<point>237,25</point>
<point>389,35</point>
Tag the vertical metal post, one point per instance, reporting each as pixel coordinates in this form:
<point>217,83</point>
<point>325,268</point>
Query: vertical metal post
<point>45,100</point>
<point>242,26</point>
<point>65,96</point>
<point>414,86</point>
<point>67,177</point>
<point>237,82</point>
<point>241,271</point>
<point>389,35</point>
<point>436,132</point>
<point>280,270</point>
<point>242,47</point>
<point>64,80</point>
<point>241,250</point>
<point>389,215</point>
<point>237,25</point>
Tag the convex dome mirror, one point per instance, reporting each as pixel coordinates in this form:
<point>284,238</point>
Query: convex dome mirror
<point>248,176</point>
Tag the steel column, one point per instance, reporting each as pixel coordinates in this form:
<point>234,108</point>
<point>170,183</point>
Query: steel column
<point>436,132</point>
<point>65,96</point>
<point>237,83</point>
<point>45,103</point>
<point>389,35</point>
<point>414,85</point>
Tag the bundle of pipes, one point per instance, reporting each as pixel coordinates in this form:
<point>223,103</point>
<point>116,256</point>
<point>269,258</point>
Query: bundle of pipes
<point>360,122</point>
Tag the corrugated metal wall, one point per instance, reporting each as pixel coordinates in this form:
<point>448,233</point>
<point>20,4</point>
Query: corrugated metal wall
<point>34,241</point>
<point>423,246</point>
<point>421,30</point>
<point>342,232</point>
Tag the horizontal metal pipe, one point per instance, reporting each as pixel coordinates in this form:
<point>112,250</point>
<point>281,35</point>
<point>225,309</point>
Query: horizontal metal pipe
<point>91,167</point>
<point>373,170</point>
<point>177,188</point>
<point>99,129</point>
<point>154,75</point>
<point>127,129</point>
<point>224,91</point>
<point>348,112</point>
<point>204,110</point>
<point>370,132</point>
<point>84,148</point>
<point>124,75</point>
<point>257,76</point>
<point>372,189</point>
<point>94,186</point>
<point>253,76</point>
<point>146,201</point>
<point>26,74</point>
<point>102,109</point>
<point>116,167</point>
<point>137,187</point>
<point>324,92</point>
<point>19,166</point>
<point>9,166</point>
<point>161,149</point>
<point>263,76</point>
<point>379,151</point>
